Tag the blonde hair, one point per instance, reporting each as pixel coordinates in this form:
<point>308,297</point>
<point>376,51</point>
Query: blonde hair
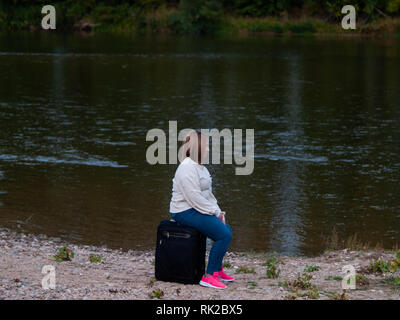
<point>193,146</point>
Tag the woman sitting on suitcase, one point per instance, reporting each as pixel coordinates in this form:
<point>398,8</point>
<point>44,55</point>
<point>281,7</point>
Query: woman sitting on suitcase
<point>193,204</point>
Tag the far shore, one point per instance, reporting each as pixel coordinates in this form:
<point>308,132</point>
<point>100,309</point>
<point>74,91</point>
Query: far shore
<point>103,273</point>
<point>156,23</point>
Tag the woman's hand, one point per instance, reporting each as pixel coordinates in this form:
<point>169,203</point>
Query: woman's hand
<point>221,217</point>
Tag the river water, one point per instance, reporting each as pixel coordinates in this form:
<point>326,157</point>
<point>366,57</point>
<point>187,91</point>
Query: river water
<point>75,110</point>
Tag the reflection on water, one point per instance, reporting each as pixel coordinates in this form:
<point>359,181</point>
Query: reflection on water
<point>74,113</point>
<point>286,225</point>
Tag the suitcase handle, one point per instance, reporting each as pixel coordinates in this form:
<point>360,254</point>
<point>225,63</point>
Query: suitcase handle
<point>175,234</point>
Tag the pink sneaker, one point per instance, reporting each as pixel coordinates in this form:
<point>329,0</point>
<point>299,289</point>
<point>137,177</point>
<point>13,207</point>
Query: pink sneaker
<point>224,277</point>
<point>212,282</point>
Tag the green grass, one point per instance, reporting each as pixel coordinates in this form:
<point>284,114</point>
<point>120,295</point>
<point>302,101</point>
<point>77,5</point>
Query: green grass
<point>244,269</point>
<point>379,266</point>
<point>393,281</point>
<point>382,266</point>
<point>157,294</point>
<point>95,258</point>
<point>336,278</point>
<point>152,281</point>
<point>311,268</point>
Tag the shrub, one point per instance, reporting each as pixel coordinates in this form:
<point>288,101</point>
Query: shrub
<point>361,280</point>
<point>379,266</point>
<point>95,258</point>
<point>196,17</point>
<point>301,282</point>
<point>64,254</point>
<point>272,268</point>
<point>156,294</point>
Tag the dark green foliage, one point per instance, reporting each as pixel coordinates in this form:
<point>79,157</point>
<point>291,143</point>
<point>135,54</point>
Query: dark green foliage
<point>259,8</point>
<point>302,27</point>
<point>189,16</point>
<point>196,17</point>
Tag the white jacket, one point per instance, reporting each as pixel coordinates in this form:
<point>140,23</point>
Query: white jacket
<point>192,188</point>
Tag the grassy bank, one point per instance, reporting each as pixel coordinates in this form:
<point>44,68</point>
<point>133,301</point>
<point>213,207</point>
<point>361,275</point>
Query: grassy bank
<point>189,19</point>
<point>240,25</point>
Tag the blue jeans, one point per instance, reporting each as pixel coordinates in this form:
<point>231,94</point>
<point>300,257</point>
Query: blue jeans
<point>212,228</point>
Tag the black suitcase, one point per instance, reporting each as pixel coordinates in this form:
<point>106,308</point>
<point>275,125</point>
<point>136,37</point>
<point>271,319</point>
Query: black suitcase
<point>180,253</point>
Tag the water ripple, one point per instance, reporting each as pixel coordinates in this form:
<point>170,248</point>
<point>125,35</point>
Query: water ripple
<point>41,159</point>
<point>290,158</point>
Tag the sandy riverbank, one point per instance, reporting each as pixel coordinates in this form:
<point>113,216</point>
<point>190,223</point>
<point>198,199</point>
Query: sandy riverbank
<point>130,274</point>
